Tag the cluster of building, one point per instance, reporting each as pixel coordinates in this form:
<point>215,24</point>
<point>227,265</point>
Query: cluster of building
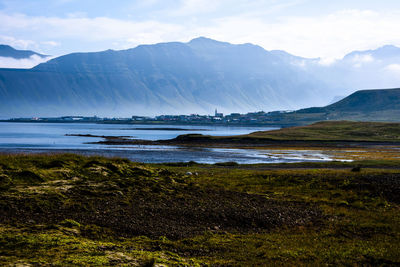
<point>61,119</point>
<point>217,118</point>
<point>233,118</point>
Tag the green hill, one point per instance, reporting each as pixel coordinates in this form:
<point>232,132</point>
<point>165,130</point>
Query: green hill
<point>368,101</point>
<point>365,105</point>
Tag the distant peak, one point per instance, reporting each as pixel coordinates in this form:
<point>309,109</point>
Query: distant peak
<point>385,51</point>
<point>9,51</point>
<point>203,39</point>
<point>207,43</point>
<point>389,48</point>
<point>210,43</point>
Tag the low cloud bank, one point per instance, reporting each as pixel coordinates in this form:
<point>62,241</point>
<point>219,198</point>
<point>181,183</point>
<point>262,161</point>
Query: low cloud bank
<point>24,63</point>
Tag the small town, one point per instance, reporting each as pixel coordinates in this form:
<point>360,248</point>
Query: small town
<point>253,118</point>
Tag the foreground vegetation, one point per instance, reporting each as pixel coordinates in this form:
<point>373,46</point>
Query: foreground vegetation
<point>75,210</point>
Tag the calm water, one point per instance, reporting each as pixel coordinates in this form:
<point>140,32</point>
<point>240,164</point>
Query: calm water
<point>50,137</point>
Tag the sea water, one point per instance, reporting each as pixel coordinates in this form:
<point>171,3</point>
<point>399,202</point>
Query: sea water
<point>53,138</point>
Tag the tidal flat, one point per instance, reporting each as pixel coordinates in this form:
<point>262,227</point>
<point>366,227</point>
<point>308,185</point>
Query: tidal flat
<point>66,209</point>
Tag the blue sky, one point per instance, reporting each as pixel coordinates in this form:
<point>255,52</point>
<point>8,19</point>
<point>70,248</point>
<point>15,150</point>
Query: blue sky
<point>308,28</point>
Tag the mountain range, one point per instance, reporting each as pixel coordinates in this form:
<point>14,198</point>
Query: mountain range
<point>193,77</point>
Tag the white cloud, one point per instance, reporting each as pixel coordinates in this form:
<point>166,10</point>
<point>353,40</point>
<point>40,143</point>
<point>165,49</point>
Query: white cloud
<point>25,63</point>
<point>363,58</point>
<point>51,43</point>
<point>77,15</point>
<point>393,68</point>
<point>327,61</point>
<point>359,60</point>
<point>92,29</point>
<point>191,7</point>
<point>16,43</point>
<point>327,36</point>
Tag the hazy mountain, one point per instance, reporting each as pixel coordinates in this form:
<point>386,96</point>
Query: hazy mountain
<point>194,77</point>
<point>13,58</point>
<point>8,51</point>
<point>379,68</point>
<point>384,52</point>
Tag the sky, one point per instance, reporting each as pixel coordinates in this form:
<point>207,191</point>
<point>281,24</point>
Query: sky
<point>309,28</point>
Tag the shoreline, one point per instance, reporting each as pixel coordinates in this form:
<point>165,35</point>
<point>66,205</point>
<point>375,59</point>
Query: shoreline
<point>155,123</point>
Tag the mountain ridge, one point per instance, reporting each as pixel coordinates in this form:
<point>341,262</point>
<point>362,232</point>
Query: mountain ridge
<point>163,78</point>
<point>369,100</point>
<point>175,77</point>
<point>8,51</point>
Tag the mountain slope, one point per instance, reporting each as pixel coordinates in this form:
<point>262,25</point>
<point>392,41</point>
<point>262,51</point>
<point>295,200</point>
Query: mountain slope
<point>367,101</point>
<point>194,77</point>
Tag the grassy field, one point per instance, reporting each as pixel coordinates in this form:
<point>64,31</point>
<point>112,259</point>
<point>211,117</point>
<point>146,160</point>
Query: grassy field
<point>73,210</point>
<point>337,131</point>
<point>347,131</point>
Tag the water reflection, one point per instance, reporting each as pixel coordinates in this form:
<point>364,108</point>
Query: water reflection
<point>50,138</point>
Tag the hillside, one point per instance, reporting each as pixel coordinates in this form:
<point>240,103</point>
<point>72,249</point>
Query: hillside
<point>364,105</point>
<point>368,101</point>
<point>336,131</point>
